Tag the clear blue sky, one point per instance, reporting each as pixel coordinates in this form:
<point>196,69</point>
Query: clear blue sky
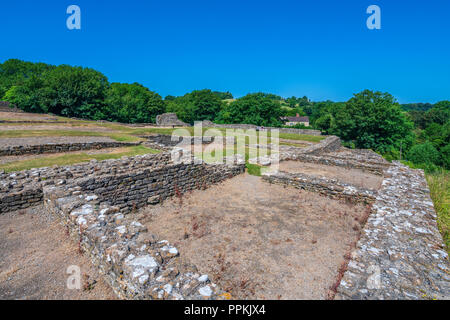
<point>319,48</point>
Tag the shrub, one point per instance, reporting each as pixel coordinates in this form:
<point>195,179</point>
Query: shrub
<point>424,153</point>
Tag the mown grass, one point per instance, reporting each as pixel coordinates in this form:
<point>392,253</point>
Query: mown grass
<point>253,169</point>
<point>439,184</point>
<point>118,136</point>
<point>73,158</point>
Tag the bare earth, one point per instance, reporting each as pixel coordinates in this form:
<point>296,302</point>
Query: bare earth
<point>352,176</point>
<point>257,240</point>
<point>35,253</point>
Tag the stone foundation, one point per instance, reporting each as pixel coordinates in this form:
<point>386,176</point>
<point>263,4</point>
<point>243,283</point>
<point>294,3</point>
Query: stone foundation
<point>331,188</point>
<point>401,253</point>
<point>98,212</point>
<point>62,147</point>
<point>209,124</point>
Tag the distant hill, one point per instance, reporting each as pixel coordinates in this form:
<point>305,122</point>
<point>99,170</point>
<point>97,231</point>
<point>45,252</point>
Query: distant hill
<point>417,106</point>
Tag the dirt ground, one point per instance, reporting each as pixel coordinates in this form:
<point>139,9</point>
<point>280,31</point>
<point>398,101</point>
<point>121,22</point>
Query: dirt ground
<point>352,176</point>
<point>35,253</point>
<point>257,240</point>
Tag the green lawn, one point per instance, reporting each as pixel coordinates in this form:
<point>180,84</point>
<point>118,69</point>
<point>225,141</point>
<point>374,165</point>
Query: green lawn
<point>73,158</point>
<point>118,136</point>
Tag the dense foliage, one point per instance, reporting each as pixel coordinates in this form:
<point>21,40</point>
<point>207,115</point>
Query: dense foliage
<point>197,105</point>
<point>257,108</point>
<point>132,103</point>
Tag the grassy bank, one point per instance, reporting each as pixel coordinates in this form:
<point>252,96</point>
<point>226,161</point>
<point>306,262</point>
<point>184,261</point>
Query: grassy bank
<point>439,184</point>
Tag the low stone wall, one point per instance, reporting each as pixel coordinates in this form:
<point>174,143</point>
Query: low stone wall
<point>331,188</point>
<point>136,189</point>
<point>135,262</point>
<point>61,147</point>
<point>209,124</point>
<point>172,141</point>
<point>331,143</point>
<point>13,201</point>
<point>374,168</point>
<point>8,107</point>
<point>31,182</point>
<point>329,152</point>
<point>401,253</point>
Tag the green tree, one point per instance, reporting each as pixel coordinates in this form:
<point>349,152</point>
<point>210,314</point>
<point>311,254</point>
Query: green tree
<point>14,72</point>
<point>132,103</point>
<point>197,105</point>
<point>424,153</point>
<point>63,90</point>
<point>223,95</point>
<point>257,108</point>
<point>75,92</point>
<point>373,120</point>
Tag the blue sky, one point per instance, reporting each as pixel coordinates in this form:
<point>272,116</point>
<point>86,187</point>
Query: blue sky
<point>321,49</point>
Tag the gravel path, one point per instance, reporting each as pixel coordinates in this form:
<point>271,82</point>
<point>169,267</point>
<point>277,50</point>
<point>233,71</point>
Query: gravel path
<point>30,141</point>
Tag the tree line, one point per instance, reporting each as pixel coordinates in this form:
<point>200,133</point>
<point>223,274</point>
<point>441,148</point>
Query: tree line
<point>417,132</point>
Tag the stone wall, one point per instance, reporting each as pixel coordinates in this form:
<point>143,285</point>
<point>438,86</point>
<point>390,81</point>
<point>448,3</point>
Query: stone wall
<point>19,190</point>
<point>29,197</point>
<point>136,189</point>
<point>331,188</point>
<point>172,141</point>
<point>99,211</point>
<point>5,106</point>
<point>61,147</point>
<point>170,119</point>
<point>329,152</point>
<point>209,124</point>
<point>400,254</point>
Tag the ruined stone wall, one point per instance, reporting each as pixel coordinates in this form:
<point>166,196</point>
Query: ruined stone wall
<point>11,201</point>
<point>61,147</point>
<point>172,141</point>
<point>400,254</point>
<point>170,119</point>
<point>329,152</point>
<point>136,189</point>
<point>8,107</point>
<point>209,124</point>
<point>331,188</point>
<point>20,190</point>
<point>98,212</point>
<point>136,263</point>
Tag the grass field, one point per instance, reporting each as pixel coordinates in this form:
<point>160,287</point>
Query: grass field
<point>118,132</point>
<point>73,158</point>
